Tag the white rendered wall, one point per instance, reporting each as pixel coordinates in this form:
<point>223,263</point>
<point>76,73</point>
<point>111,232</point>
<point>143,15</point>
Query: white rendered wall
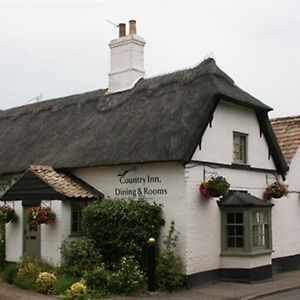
<point>52,235</point>
<point>217,141</point>
<point>14,234</point>
<point>170,189</point>
<point>286,215</point>
<point>203,232</point>
<point>203,228</point>
<point>244,262</point>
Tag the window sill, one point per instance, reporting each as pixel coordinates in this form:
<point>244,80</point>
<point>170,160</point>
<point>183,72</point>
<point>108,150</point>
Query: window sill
<point>249,254</point>
<point>240,165</point>
<point>72,235</point>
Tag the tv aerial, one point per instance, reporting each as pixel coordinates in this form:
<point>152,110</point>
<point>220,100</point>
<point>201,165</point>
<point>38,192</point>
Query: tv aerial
<point>112,23</point>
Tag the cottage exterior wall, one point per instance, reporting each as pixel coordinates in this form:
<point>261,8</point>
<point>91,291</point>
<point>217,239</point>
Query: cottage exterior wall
<point>52,236</point>
<point>203,232</point>
<point>14,235</point>
<point>203,226</point>
<point>286,212</point>
<point>242,262</point>
<point>169,187</point>
<point>217,141</point>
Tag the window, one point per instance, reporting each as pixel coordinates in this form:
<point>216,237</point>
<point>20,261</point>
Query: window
<point>239,148</point>
<point>235,230</point>
<point>76,217</point>
<point>260,229</point>
<point>245,230</point>
<point>245,224</point>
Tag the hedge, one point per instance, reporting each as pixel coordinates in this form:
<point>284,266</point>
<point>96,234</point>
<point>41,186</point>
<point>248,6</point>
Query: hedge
<point>122,227</point>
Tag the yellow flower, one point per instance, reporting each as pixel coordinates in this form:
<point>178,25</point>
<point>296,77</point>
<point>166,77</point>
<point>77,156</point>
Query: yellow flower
<point>76,289</point>
<point>45,282</point>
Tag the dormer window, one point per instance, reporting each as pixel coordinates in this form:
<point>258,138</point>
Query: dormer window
<point>239,148</point>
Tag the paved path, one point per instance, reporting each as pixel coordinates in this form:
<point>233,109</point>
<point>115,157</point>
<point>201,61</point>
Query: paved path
<point>10,292</point>
<point>292,295</point>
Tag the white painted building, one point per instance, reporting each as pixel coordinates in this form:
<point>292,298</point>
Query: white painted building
<point>159,138</point>
<point>286,224</point>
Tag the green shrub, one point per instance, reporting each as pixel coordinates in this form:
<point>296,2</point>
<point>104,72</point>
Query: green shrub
<point>128,277</point>
<point>45,283</point>
<point>9,273</point>
<point>27,272</point>
<point>169,265</point>
<point>26,282</point>
<point>63,282</point>
<point>2,243</point>
<point>169,272</point>
<point>79,256</point>
<point>122,227</point>
<point>28,267</point>
<point>97,279</point>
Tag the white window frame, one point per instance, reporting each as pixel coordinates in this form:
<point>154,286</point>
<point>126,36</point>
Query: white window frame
<point>240,148</point>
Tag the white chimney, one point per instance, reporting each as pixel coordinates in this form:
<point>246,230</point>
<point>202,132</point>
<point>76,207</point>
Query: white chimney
<point>126,59</point>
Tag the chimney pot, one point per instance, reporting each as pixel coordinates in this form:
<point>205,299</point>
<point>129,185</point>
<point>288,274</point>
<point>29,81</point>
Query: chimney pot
<point>122,30</point>
<point>132,27</point>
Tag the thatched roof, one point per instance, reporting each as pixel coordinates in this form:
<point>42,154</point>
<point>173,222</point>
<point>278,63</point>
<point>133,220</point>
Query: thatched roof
<point>160,119</point>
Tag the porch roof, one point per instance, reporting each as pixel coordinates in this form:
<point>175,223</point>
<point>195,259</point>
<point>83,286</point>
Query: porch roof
<point>44,183</point>
<point>243,199</point>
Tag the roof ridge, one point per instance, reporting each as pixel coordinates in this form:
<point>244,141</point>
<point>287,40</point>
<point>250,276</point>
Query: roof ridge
<point>54,104</point>
<point>39,170</point>
<point>285,118</point>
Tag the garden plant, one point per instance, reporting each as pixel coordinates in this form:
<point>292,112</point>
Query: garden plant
<point>105,262</point>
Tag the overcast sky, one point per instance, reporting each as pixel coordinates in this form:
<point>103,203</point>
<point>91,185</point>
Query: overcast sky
<point>58,48</point>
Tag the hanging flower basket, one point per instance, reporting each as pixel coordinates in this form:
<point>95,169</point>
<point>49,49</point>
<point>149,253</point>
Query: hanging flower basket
<point>8,214</point>
<point>275,190</point>
<point>214,187</point>
<point>40,215</point>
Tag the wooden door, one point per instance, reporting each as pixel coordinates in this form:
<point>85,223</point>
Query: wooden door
<point>31,237</point>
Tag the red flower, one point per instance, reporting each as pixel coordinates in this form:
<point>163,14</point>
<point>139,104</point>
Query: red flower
<point>275,190</point>
<point>203,191</point>
<point>40,215</point>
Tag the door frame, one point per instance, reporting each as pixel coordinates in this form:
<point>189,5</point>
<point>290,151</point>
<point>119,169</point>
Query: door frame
<point>25,206</point>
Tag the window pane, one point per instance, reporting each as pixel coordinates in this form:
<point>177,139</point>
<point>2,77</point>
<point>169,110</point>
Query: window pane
<point>230,218</point>
<point>255,241</point>
<point>230,230</point>
<point>235,230</point>
<point>239,242</point>
<point>255,230</point>
<point>76,217</point>
<point>239,218</point>
<point>74,227</point>
<point>239,230</point>
<point>231,243</point>
<point>259,229</point>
